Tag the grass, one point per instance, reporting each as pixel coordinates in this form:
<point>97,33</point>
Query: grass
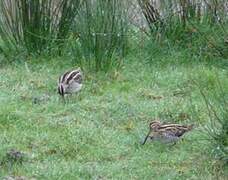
<point>97,134</point>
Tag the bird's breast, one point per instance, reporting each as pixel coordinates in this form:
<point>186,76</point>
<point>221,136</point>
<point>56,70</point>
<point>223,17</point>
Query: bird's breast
<point>74,87</point>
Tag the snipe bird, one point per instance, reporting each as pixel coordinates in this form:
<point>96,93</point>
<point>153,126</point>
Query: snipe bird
<point>70,82</point>
<point>166,132</point>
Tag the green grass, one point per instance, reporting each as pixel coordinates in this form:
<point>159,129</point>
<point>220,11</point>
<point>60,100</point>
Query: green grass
<point>97,134</point>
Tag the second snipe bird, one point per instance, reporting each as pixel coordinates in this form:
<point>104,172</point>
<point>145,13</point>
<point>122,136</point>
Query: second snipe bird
<point>166,132</point>
<point>70,82</point>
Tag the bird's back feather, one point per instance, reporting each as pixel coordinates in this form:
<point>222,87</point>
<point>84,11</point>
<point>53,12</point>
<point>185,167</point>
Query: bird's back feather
<point>70,82</point>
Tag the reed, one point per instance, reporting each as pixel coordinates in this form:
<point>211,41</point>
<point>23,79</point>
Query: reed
<point>197,26</point>
<point>35,26</point>
<point>101,27</point>
<point>168,18</point>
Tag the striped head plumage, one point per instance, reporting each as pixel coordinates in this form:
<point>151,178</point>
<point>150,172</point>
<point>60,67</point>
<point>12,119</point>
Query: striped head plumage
<point>167,132</point>
<point>70,82</point>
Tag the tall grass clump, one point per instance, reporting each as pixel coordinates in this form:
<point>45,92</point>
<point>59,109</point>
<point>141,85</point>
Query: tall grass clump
<point>168,16</point>
<point>101,28</point>
<point>196,25</point>
<point>215,97</point>
<point>35,26</point>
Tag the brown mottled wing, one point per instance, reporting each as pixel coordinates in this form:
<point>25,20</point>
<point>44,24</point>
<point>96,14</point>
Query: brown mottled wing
<point>174,129</point>
<point>180,131</point>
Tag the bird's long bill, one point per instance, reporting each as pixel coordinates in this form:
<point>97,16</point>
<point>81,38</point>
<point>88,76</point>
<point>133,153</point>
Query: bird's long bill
<point>63,98</point>
<point>146,138</point>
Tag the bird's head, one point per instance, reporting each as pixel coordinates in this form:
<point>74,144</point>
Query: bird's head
<point>155,124</point>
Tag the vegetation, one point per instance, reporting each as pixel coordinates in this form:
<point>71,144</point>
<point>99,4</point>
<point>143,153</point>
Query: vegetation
<point>33,26</point>
<point>174,70</point>
<point>217,128</point>
<point>93,31</point>
<point>98,133</point>
<point>102,28</point>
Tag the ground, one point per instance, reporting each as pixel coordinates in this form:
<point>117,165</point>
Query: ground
<point>97,133</point>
